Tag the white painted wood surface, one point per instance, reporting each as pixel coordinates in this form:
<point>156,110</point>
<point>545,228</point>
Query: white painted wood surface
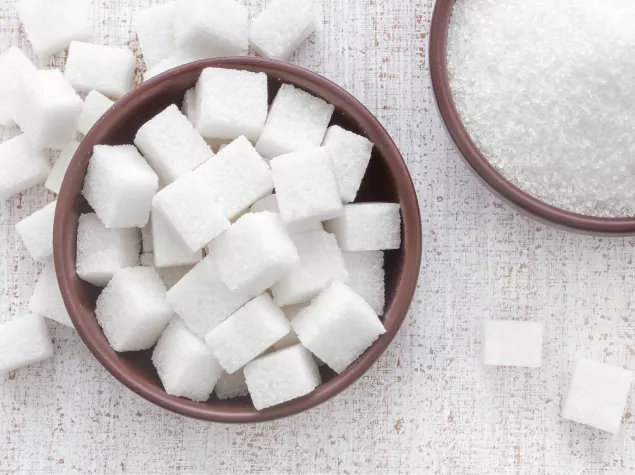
<point>428,406</point>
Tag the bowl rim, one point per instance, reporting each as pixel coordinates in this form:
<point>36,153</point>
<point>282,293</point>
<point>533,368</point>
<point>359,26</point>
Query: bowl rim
<point>395,313</point>
<point>492,178</point>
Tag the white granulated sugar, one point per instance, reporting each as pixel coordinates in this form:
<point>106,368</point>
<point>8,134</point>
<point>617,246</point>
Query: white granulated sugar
<point>24,340</point>
<point>22,167</point>
<point>547,97</point>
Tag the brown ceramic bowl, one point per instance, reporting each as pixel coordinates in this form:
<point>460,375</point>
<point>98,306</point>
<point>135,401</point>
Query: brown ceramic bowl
<point>387,179</point>
<point>493,179</point>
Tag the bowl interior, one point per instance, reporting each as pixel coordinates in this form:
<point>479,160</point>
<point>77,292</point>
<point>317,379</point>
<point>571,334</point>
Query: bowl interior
<point>386,180</point>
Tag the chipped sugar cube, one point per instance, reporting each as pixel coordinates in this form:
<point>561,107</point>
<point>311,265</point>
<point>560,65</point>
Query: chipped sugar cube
<point>367,277</point>
<point>512,343</point>
<point>169,250</point>
<point>36,232</point>
<point>47,298</point>
<point>22,167</point>
<point>367,227</point>
<point>13,66</point>
<point>56,177</point>
<point>270,203</point>
<point>24,341</point>
<point>155,31</point>
<point>230,386</point>
<point>95,105</point>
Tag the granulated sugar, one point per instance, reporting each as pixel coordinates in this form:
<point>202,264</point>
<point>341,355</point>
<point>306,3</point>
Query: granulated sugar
<point>546,90</point>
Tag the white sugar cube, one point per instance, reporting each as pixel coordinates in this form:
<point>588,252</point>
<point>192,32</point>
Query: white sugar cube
<point>306,187</point>
<point>13,66</point>
<point>211,29</point>
<point>338,326</point>
<point>254,253</point>
<point>290,338</point>
<point>155,31</point>
<point>247,333</point>
<point>52,25</point>
<point>350,154</point>
<point>133,310</point>
<point>231,103</point>
<point>56,177</point>
<point>173,275</point>
<point>102,251</point>
<point>270,203</point>
<point>47,298</point>
<point>367,227</point>
<point>512,343</point>
<point>169,250</point>
<point>47,109</point>
<point>36,232</point>
<point>120,185</point>
<point>230,386</point>
<point>95,105</point>
<point>189,105</point>
<point>281,376</point>
<point>23,341</point>
<point>22,167</point>
<point>202,300</point>
<point>281,28</point>
<point>297,121</point>
<point>367,277</point>
<point>106,69</point>
<point>321,262</point>
<point>172,145</point>
<point>176,59</point>
<point>597,395</point>
<point>185,364</point>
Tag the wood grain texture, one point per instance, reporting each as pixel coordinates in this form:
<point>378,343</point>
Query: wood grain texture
<point>428,405</point>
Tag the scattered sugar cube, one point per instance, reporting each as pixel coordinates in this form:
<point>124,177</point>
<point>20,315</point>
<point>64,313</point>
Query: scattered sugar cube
<point>281,376</point>
<point>247,333</point>
<point>189,105</point>
<point>102,251</point>
<point>254,253</point>
<point>512,343</point>
<point>367,277</point>
<point>211,29</point>
<point>36,232</point>
<point>230,386</point>
<point>172,145</point>
<point>22,167</point>
<point>155,31</point>
<point>321,263</point>
<point>173,275</point>
<point>306,187</point>
<point>95,105</point>
<point>597,395</point>
<point>270,203</point>
<point>13,66</point>
<point>47,298</point>
<point>338,326</point>
<point>281,28</point>
<point>23,341</point>
<point>185,364</point>
<point>176,59</point>
<point>133,310</point>
<point>231,103</point>
<point>52,25</point>
<point>169,250</point>
<point>120,186</point>
<point>297,121</point>
<point>202,300</point>
<point>56,177</point>
<point>47,109</point>
<point>350,154</point>
<point>290,338</point>
<point>367,227</point>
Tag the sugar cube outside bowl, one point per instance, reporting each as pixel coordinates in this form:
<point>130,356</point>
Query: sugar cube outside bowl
<point>387,179</point>
<point>494,180</point>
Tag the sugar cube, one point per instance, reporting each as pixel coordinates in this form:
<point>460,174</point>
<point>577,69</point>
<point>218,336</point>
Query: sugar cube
<point>169,250</point>
<point>338,326</point>
<point>22,167</point>
<point>230,386</point>
<point>95,105</point>
<point>306,187</point>
<point>47,298</point>
<point>36,232</point>
<point>597,395</point>
<point>281,28</point>
<point>155,31</point>
<point>189,105</point>
<point>512,343</point>
<point>281,376</point>
<point>102,251</point>
<point>290,338</point>
<point>56,177</point>
<point>120,186</point>
<point>254,253</point>
<point>202,300</point>
<point>185,364</point>
<point>23,341</point>
<point>231,103</point>
<point>13,66</point>
<point>297,121</point>
<point>211,29</point>
<point>367,227</point>
<point>367,277</point>
<point>172,145</point>
<point>173,275</point>
<point>47,109</point>
<point>270,203</point>
<point>52,25</point>
<point>351,154</point>
<point>176,59</point>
